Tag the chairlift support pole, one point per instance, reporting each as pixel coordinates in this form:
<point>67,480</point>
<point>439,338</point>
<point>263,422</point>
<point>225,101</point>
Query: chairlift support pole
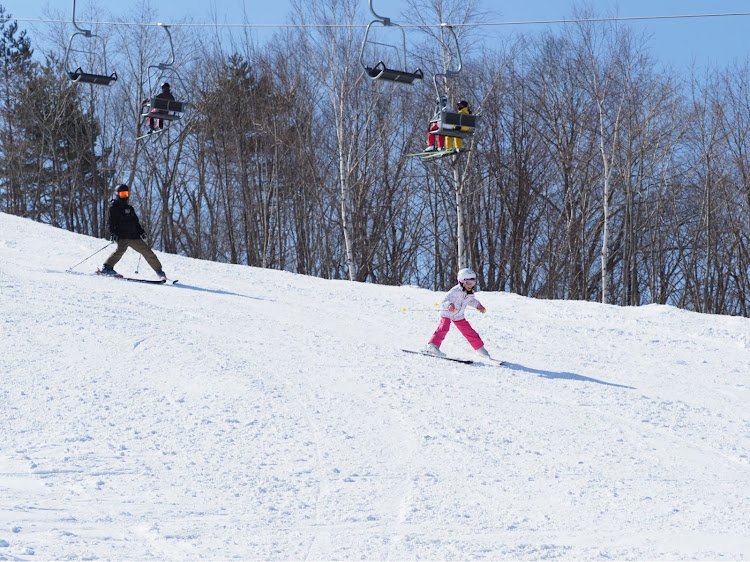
<point>451,124</point>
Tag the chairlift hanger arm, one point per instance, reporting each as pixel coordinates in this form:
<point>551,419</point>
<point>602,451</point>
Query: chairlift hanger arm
<point>450,73</point>
<point>385,21</point>
<point>367,34</point>
<point>170,61</point>
<point>86,32</point>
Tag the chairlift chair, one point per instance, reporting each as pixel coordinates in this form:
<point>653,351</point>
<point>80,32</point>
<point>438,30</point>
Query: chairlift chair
<point>154,106</point>
<point>173,107</point>
<point>453,123</point>
<point>380,70</point>
<point>78,52</point>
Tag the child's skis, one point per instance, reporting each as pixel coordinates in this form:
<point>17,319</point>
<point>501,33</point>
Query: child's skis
<point>456,359</point>
<point>465,361</point>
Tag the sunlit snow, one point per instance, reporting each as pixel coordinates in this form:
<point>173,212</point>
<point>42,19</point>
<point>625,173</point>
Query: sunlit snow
<point>257,414</point>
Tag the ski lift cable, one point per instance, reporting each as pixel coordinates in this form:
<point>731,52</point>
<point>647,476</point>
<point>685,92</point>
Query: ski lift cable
<point>339,25</point>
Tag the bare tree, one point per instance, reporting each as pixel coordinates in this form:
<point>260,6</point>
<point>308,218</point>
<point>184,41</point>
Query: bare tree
<point>707,143</point>
<point>736,123</point>
<point>448,63</point>
<point>339,78</point>
<point>567,117</point>
<point>16,69</point>
<point>608,74</point>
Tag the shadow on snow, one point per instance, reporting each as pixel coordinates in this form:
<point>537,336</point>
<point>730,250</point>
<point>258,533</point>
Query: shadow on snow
<point>180,285</point>
<point>564,376</point>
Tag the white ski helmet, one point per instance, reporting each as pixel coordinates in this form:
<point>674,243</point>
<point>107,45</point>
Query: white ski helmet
<point>465,274</point>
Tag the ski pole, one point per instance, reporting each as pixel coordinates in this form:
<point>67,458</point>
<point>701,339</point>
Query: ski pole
<point>138,264</point>
<point>88,258</point>
<point>404,309</point>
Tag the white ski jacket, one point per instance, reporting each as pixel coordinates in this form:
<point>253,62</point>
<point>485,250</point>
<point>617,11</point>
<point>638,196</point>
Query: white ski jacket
<point>460,299</point>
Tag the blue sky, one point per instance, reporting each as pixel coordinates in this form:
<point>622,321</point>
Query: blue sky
<point>675,41</point>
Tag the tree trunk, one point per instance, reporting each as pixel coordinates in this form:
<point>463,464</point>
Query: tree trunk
<point>460,217</point>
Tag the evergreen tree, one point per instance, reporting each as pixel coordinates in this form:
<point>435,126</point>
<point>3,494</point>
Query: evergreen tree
<point>16,69</point>
<point>63,181</point>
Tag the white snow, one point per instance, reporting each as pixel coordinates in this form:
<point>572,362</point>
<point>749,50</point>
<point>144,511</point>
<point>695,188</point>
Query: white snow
<point>257,414</point>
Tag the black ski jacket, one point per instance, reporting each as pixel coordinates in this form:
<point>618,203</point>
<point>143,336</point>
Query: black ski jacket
<point>123,222</point>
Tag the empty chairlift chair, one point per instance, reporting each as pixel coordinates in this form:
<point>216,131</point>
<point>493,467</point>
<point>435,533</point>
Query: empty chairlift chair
<point>85,48</point>
<point>381,70</point>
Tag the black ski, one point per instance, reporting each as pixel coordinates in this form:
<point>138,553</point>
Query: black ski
<point>152,281</point>
<point>464,361</point>
<point>134,280</point>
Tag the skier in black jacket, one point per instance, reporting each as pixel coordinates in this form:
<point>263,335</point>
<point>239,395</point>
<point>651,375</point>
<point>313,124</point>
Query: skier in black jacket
<point>154,121</point>
<point>125,229</point>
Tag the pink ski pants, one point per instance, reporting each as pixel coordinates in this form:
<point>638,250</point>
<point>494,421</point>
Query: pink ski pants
<point>463,326</point>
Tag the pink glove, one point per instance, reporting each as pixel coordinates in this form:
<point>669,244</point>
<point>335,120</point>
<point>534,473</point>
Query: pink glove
<point>481,309</point>
<point>451,307</point>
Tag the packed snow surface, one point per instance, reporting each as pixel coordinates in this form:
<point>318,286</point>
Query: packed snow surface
<point>257,414</point>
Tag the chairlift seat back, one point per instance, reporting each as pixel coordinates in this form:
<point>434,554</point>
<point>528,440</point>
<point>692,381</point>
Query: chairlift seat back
<point>167,105</point>
<point>80,76</point>
<point>381,72</point>
<point>451,124</point>
<point>167,110</point>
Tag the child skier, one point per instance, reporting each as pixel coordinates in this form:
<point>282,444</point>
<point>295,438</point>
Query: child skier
<point>452,310</point>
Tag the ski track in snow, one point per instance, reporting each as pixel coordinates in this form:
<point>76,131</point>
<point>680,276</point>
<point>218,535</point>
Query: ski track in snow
<point>257,414</point>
